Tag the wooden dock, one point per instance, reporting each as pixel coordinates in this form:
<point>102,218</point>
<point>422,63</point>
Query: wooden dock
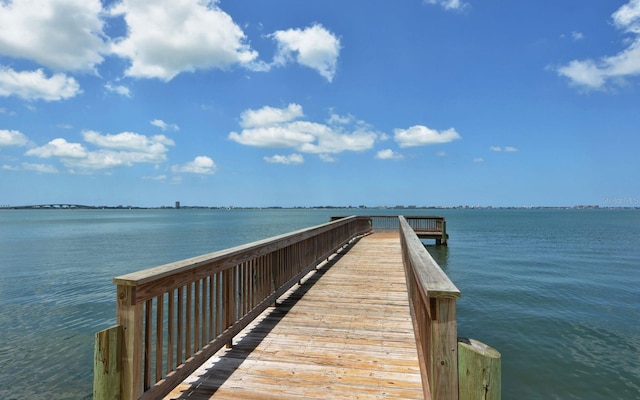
<point>346,332</point>
<point>361,311</point>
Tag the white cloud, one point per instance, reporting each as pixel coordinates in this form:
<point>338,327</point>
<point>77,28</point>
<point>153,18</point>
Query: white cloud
<point>448,4</point>
<point>60,34</point>
<point>156,178</point>
<point>306,137</point>
<point>196,34</point>
<point>328,158</point>
<point>420,135</point>
<point>336,119</point>
<point>507,149</point>
<point>287,160</point>
<point>577,35</point>
<point>277,136</point>
<point>627,17</point>
<point>34,85</point>
<point>12,138</point>
<point>123,149</point>
<point>388,154</point>
<point>118,89</point>
<point>44,168</point>
<point>478,160</point>
<point>129,141</point>
<point>266,116</point>
<point>59,148</point>
<point>314,47</point>
<point>164,126</point>
<point>200,165</point>
<point>595,74</point>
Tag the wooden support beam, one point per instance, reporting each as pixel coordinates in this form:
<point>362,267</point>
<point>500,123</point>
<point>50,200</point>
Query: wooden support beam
<point>106,364</point>
<point>479,371</point>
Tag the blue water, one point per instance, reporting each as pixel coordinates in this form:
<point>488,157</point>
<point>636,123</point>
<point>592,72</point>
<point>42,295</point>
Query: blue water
<point>557,292</point>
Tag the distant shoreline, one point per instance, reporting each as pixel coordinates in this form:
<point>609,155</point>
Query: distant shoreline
<point>398,207</point>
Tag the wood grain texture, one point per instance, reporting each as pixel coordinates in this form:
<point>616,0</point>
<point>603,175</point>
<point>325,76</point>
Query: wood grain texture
<point>346,332</point>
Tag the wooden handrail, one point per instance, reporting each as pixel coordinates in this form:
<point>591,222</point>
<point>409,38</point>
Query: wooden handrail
<point>174,317</point>
<point>432,299</point>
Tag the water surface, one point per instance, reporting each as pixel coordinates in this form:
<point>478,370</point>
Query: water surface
<point>555,291</point>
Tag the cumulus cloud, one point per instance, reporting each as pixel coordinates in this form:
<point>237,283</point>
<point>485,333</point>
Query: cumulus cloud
<point>448,4</point>
<point>34,85</point>
<point>63,35</point>
<point>282,159</point>
<point>60,148</point>
<point>164,126</point>
<point>388,154</point>
<point>595,74</point>
<point>278,128</point>
<point>12,138</point>
<point>123,149</point>
<point>314,47</point>
<point>130,141</point>
<point>266,116</point>
<point>200,165</point>
<point>118,89</point>
<point>196,33</point>
<point>420,135</point>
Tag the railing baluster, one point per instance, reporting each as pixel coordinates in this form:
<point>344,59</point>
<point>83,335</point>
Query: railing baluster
<point>180,338</point>
<point>197,315</point>
<point>188,322</point>
<point>159,335</point>
<point>147,343</point>
<point>170,330</point>
<point>212,310</point>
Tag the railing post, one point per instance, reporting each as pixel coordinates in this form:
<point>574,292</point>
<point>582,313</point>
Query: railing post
<point>444,232</point>
<point>444,348</point>
<point>129,316</point>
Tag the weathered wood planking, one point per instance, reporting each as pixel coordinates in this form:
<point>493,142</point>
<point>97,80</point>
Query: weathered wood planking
<point>345,333</point>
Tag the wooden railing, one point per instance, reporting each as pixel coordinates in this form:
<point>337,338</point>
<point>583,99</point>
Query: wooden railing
<point>384,223</point>
<point>432,299</point>
<point>172,318</point>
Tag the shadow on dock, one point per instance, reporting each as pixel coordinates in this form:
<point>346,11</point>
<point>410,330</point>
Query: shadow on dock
<point>231,359</point>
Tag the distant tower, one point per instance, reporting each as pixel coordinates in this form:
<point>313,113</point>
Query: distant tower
<point>177,204</point>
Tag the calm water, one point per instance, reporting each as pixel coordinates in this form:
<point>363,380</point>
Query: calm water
<point>557,292</point>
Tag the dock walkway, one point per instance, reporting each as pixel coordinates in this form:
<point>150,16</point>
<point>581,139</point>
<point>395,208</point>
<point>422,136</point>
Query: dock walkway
<point>346,332</point>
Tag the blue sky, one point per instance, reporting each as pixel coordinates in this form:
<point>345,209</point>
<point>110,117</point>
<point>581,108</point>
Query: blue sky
<point>291,103</point>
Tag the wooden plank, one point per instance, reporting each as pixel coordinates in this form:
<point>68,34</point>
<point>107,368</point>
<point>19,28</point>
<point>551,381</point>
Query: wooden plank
<point>341,334</point>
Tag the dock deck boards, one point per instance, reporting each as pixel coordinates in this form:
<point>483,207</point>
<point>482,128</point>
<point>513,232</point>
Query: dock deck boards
<point>346,333</point>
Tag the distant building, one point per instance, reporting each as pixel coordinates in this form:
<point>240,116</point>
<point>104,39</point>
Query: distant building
<point>177,204</point>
